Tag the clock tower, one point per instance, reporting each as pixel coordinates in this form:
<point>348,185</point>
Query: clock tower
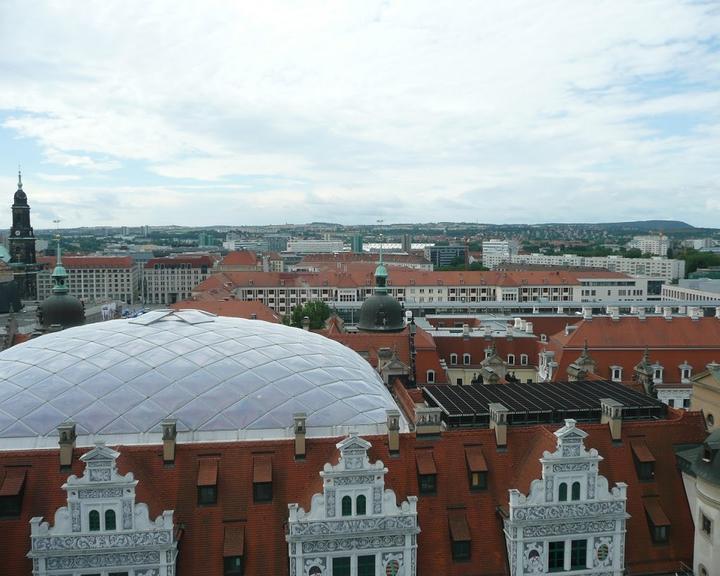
<point>22,245</point>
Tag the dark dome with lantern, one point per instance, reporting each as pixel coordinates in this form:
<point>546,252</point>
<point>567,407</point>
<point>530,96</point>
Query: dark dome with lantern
<point>60,309</point>
<point>381,312</point>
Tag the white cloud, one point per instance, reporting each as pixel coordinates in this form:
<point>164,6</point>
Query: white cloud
<point>506,110</point>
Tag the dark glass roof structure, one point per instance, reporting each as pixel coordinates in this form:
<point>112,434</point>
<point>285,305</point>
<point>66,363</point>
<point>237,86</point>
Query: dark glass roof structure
<point>538,403</point>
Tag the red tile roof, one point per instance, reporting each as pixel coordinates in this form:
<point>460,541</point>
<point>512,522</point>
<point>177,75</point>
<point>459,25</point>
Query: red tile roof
<point>622,342</point>
<point>264,546</point>
<point>240,258</point>
<point>361,274</point>
<point>232,308</point>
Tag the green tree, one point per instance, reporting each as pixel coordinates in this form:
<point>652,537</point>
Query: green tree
<point>316,310</point>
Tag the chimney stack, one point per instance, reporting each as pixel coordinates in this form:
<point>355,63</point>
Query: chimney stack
<point>717,312</point>
<point>498,422</point>
<point>641,313</point>
<point>67,436</point>
<point>393,426</point>
<point>587,313</point>
<point>169,436</point>
<point>612,416</point>
<point>529,327</point>
<point>466,330</point>
<point>667,313</point>
<point>428,421</point>
<point>299,419</point>
<point>306,323</point>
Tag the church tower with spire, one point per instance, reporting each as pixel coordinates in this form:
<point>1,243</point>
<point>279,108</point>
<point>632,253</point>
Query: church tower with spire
<point>22,245</point>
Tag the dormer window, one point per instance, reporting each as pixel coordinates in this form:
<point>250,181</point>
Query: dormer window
<point>459,535</point>
<point>477,468</point>
<point>262,479</point>
<point>466,359</point>
<point>430,376</point>
<point>658,521</point>
<point>523,359</point>
<point>616,373</point>
<point>11,491</point>
<point>234,551</point>
<point>644,460</point>
<point>427,473</point>
<point>511,359</point>
<point>453,358</point>
<point>207,482</point>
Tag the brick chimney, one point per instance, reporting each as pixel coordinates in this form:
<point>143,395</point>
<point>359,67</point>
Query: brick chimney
<point>169,435</point>
<point>67,436</point>
<point>299,427</point>
<point>498,422</point>
<point>393,426</point>
<point>428,421</point>
<point>612,416</point>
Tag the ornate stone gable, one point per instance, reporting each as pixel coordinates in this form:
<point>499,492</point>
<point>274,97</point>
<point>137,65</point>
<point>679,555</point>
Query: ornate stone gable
<point>354,517</point>
<point>570,516</point>
<point>102,527</point>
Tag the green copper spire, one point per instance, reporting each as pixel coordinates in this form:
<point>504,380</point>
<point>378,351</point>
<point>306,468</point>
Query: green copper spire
<point>381,273</point>
<point>59,274</point>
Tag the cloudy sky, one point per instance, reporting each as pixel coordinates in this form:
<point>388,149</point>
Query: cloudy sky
<point>200,113</point>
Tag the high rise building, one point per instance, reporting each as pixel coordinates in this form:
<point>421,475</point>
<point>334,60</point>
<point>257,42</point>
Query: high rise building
<point>22,245</point>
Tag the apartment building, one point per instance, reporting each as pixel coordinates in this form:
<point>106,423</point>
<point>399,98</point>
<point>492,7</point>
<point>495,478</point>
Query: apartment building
<point>656,267</point>
<point>94,278</point>
<point>496,251</point>
<point>657,245</point>
<point>353,283</point>
<point>171,279</point>
<point>314,246</point>
<point>697,290</point>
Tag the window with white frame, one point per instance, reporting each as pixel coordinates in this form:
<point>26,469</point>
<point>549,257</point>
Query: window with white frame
<point>523,359</point>
<point>466,359</point>
<point>616,373</point>
<point>453,358</point>
<point>511,359</point>
<point>430,376</point>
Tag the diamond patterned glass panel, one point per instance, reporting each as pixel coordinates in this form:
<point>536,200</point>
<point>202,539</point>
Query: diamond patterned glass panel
<point>212,373</point>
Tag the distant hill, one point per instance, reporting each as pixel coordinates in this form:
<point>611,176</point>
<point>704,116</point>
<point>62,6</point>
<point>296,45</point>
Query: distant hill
<point>637,225</point>
<point>655,225</point>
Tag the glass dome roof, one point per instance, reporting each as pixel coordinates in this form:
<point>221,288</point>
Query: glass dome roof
<point>221,378</point>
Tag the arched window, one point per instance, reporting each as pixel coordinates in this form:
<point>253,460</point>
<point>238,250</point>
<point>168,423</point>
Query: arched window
<point>315,571</point>
<point>466,359</point>
<point>94,521</point>
<point>109,519</point>
<point>523,359</point>
<point>511,359</point>
<point>562,492</point>
<point>346,506</point>
<point>360,505</point>
<point>576,491</point>
<point>431,376</point>
<point>453,358</point>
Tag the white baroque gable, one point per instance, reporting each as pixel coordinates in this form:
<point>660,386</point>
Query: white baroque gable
<point>102,526</point>
<point>570,502</point>
<point>337,525</point>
